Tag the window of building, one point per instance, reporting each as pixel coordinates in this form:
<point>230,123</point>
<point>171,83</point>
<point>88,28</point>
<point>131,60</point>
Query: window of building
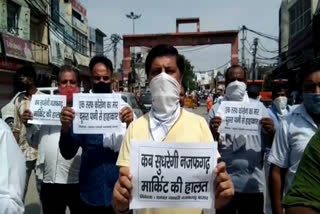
<point>81,42</point>
<point>77,15</point>
<point>37,28</point>
<point>13,11</point>
<point>300,16</point>
<point>55,11</point>
<point>92,49</point>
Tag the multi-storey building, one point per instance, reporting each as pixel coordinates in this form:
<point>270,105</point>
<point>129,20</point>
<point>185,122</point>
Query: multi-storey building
<point>46,34</point>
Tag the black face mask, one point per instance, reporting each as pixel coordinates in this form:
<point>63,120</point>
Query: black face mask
<point>101,88</point>
<point>20,86</point>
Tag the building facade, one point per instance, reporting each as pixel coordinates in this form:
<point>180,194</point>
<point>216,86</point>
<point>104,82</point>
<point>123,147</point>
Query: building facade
<point>296,35</point>
<point>46,34</point>
<point>24,40</point>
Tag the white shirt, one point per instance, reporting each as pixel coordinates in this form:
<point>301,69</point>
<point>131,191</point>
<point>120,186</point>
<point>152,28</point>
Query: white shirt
<point>243,154</point>
<point>113,141</point>
<point>291,138</point>
<point>51,167</point>
<point>12,173</point>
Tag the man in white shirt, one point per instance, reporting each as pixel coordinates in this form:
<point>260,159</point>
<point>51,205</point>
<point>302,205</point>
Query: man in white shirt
<point>243,154</point>
<point>12,173</point>
<point>60,177</point>
<point>278,111</point>
<point>292,137</point>
<point>219,94</point>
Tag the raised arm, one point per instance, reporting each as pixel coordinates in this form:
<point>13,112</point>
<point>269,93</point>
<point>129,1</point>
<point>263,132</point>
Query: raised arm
<point>68,144</point>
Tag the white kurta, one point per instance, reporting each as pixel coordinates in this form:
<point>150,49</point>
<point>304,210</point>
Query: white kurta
<point>12,173</point>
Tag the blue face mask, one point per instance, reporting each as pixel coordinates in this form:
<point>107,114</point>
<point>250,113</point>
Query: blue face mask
<point>312,103</point>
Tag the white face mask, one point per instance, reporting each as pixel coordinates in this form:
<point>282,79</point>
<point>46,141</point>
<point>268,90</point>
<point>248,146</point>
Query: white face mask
<point>280,103</point>
<point>165,91</point>
<point>236,91</point>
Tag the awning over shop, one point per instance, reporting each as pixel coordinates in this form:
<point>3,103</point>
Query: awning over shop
<point>81,60</point>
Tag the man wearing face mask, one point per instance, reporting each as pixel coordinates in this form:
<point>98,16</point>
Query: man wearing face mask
<point>98,172</point>
<point>57,174</point>
<point>277,112</point>
<point>166,122</point>
<point>219,94</point>
<point>293,135</point>
<point>26,78</point>
<point>280,107</point>
<point>243,154</point>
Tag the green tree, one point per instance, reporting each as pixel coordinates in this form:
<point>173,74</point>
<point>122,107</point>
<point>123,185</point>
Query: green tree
<point>189,77</point>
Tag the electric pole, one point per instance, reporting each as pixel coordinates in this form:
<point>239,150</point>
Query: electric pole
<point>115,39</point>
<point>243,62</point>
<point>254,60</point>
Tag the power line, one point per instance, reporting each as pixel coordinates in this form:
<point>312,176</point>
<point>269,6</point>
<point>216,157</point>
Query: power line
<point>250,45</point>
<point>268,58</point>
<point>221,66</point>
<point>271,37</point>
<point>261,47</point>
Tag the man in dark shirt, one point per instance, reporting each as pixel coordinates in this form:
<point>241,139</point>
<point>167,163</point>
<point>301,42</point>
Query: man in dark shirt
<point>98,172</point>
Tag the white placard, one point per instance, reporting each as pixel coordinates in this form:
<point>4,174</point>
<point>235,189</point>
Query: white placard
<point>169,175</point>
<point>240,118</point>
<point>46,109</point>
<point>96,113</point>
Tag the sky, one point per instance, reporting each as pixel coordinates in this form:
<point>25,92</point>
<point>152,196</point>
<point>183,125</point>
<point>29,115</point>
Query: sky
<point>215,15</point>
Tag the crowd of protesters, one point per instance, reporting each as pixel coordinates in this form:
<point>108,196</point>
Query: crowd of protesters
<point>271,172</point>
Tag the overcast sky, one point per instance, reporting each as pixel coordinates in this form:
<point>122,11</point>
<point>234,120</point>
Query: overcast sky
<point>215,15</point>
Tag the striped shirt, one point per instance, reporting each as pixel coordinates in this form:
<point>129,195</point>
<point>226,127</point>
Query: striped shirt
<point>22,103</point>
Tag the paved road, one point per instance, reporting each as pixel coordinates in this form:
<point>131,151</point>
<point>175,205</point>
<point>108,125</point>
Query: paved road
<point>202,111</point>
<point>32,198</point>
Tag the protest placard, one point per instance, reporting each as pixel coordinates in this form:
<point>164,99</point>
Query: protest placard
<point>96,113</point>
<point>240,117</point>
<point>46,109</point>
<point>172,175</point>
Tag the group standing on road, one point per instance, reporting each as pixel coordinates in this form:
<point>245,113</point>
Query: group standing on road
<point>90,173</point>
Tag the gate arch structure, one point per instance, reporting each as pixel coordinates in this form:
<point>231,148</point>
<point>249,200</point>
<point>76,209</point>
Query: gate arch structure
<point>180,39</point>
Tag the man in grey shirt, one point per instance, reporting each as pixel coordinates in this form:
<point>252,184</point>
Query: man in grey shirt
<point>243,154</point>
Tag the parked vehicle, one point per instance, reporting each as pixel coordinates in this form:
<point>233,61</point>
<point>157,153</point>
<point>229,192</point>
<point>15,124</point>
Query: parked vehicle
<point>130,98</point>
<point>146,102</point>
<point>7,111</point>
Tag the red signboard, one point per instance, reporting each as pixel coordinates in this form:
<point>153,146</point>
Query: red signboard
<point>17,48</point>
<point>76,5</point>
<point>9,65</point>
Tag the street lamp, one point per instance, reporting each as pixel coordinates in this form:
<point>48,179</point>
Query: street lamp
<point>133,17</point>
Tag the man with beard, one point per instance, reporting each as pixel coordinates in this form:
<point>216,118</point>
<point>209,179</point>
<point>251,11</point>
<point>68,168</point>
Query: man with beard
<point>98,172</point>
<point>26,77</point>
